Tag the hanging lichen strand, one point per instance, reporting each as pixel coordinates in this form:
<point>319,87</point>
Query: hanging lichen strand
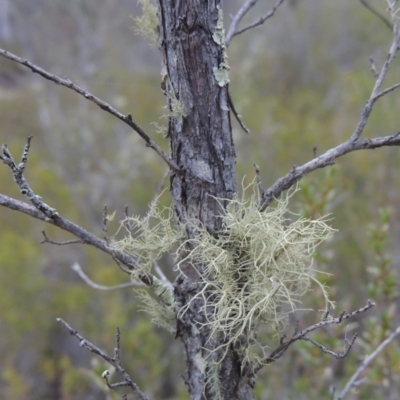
<point>258,263</point>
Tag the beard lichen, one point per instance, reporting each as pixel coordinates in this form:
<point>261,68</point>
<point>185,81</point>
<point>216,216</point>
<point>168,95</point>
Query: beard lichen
<point>252,273</point>
<point>147,24</point>
<point>147,239</point>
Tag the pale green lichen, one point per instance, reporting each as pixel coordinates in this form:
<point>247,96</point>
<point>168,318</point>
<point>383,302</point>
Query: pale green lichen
<point>147,25</point>
<point>148,237</point>
<point>175,107</point>
<point>161,313</point>
<point>255,271</point>
<point>213,380</point>
<point>221,73</point>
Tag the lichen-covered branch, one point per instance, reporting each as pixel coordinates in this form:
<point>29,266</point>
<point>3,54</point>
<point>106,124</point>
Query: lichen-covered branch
<point>102,104</point>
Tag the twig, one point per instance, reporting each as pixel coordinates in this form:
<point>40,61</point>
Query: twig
<point>102,104</point>
<point>375,94</point>
<point>376,13</point>
<point>302,335</point>
<point>258,179</point>
<point>73,241</point>
<point>114,361</point>
<point>243,10</point>
<point>328,158</point>
<point>237,116</point>
<point>330,352</point>
<point>232,32</point>
<point>17,171</point>
<point>77,268</point>
<point>45,213</point>
<point>388,90</point>
<point>373,67</point>
<point>353,143</point>
<point>160,185</point>
<point>354,379</point>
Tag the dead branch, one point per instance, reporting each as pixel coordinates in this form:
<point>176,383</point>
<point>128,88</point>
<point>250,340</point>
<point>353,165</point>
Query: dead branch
<point>376,13</point>
<point>77,268</point>
<point>354,142</point>
<point>102,104</point>
<point>114,361</point>
<point>302,335</point>
<point>45,213</point>
<point>364,365</point>
<point>328,158</point>
<point>17,171</point>
<point>233,29</point>
<point>47,240</point>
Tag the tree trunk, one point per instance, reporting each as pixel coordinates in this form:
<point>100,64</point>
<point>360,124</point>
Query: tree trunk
<point>201,144</point>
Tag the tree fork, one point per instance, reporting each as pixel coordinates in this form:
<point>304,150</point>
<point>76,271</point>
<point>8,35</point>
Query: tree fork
<point>202,146</point>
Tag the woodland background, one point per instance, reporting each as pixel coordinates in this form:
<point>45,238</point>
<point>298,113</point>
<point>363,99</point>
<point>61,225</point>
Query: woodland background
<point>299,81</point>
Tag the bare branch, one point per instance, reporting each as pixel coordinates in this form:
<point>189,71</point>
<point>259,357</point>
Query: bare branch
<point>258,180</point>
<point>78,231</point>
<point>330,352</point>
<point>376,91</point>
<point>302,335</point>
<point>102,104</point>
<point>364,365</point>
<point>388,90</point>
<point>73,241</point>
<point>114,361</point>
<point>376,13</point>
<point>373,67</point>
<point>246,7</point>
<point>77,268</point>
<point>233,31</point>
<point>353,143</point>
<point>237,116</point>
<point>17,171</point>
<point>328,158</point>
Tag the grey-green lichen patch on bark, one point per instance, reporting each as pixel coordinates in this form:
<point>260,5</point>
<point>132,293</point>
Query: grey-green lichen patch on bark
<point>221,73</point>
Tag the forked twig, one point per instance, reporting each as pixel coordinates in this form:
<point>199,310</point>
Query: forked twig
<point>302,335</point>
<point>45,213</point>
<point>234,31</point>
<point>114,361</point>
<point>364,365</point>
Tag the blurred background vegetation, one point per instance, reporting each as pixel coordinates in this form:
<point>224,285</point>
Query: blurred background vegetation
<point>299,81</point>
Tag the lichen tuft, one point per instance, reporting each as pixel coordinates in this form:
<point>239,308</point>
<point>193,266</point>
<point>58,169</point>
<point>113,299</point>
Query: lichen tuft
<point>255,270</point>
<point>147,25</point>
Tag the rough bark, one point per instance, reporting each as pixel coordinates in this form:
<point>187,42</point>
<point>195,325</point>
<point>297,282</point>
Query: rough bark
<point>202,146</point>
